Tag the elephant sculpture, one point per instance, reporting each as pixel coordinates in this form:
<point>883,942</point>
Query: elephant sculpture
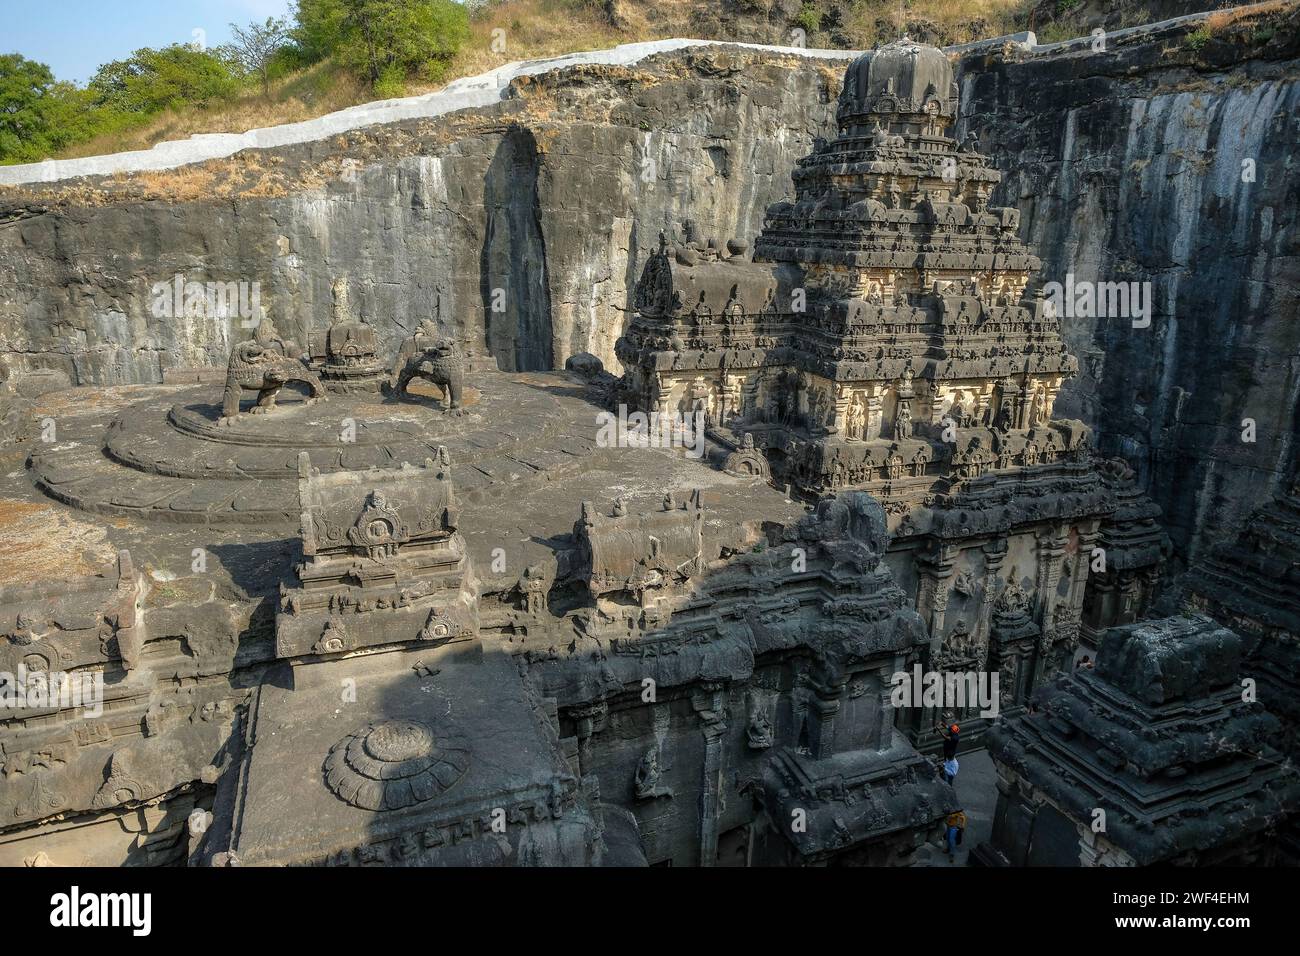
<point>265,370</point>
<point>440,364</point>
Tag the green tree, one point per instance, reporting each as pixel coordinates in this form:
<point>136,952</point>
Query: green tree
<point>24,106</point>
<point>38,114</point>
<point>256,46</point>
<point>151,80</point>
<point>381,38</point>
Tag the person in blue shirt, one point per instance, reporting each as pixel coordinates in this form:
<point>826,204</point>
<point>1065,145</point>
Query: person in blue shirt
<point>956,826</point>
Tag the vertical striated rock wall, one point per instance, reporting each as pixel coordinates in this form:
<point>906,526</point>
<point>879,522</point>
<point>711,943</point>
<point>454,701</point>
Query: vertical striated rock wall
<point>521,225</point>
<point>1128,165</point>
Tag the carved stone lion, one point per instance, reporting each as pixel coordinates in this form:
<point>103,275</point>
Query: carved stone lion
<point>440,365</point>
<point>265,370</point>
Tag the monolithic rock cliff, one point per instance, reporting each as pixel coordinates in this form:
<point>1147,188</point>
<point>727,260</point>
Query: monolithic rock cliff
<point>1170,160</point>
<point>523,223</point>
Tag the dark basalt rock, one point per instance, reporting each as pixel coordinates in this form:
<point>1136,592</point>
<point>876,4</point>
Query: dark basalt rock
<point>872,315</point>
<point>1152,756</point>
<point>416,675</point>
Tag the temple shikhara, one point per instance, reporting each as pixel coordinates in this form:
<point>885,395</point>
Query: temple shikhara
<point>375,600</point>
<point>880,336</point>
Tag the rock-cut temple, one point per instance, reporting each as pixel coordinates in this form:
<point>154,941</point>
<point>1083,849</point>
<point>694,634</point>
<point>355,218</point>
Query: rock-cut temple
<point>443,624</point>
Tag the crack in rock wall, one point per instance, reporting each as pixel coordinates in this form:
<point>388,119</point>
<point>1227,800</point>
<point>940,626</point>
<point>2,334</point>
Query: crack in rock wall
<point>553,197</point>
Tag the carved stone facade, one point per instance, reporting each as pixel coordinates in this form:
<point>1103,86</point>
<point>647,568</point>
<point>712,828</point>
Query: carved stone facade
<point>394,645</point>
<point>717,703</point>
<point>1132,550</point>
<point>382,562</point>
<point>1150,757</point>
<point>104,715</point>
<point>881,336</point>
<point>1252,585</point>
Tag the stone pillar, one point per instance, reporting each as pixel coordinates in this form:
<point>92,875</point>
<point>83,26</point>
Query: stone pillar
<point>1129,600</point>
<point>935,571</point>
<point>749,398</point>
<point>843,399</point>
<point>710,703</point>
<point>936,406</point>
<point>1023,404</point>
<point>1100,600</point>
<point>1051,554</point>
<point>934,574</point>
<point>589,719</point>
<point>824,707</point>
<point>995,553</point>
<point>987,410</point>
<point>1082,566</point>
<point>661,394</point>
<point>885,716</point>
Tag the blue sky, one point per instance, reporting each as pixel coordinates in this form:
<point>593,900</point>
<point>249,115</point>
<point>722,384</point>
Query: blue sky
<point>73,37</point>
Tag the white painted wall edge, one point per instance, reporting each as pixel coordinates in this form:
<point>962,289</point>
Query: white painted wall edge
<point>466,93</point>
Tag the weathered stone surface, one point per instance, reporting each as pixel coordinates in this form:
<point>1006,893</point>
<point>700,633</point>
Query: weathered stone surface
<point>884,338</point>
<point>110,733</point>
<point>1157,739</point>
<point>1127,165</point>
<point>193,465</point>
<point>1252,585</point>
<point>517,196</point>
<point>669,679</point>
<point>382,563</point>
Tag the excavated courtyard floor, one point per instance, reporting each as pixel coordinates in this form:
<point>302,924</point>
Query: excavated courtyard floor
<point>524,458</point>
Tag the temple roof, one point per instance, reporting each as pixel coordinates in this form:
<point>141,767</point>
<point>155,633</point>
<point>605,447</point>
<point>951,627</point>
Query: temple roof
<point>1157,734</point>
<point>900,77</point>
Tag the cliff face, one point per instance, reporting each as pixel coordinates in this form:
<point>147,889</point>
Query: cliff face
<point>1128,166</point>
<point>523,225</point>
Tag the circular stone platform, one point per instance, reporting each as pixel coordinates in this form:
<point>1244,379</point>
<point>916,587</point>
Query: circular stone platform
<point>182,463</point>
<point>396,763</point>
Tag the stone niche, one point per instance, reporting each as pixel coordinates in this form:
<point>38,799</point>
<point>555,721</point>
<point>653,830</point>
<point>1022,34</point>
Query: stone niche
<point>382,563</point>
<point>1151,756</point>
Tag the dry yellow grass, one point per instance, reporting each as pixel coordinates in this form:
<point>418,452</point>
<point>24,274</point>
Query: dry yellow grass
<point>530,29</point>
<point>939,21</point>
<point>313,92</point>
<point>1223,18</point>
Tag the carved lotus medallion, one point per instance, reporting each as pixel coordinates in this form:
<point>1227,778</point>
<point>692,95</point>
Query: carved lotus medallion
<point>396,763</point>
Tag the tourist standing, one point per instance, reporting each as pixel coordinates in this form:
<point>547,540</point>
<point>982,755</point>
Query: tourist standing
<point>956,827</point>
<point>951,738</point>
